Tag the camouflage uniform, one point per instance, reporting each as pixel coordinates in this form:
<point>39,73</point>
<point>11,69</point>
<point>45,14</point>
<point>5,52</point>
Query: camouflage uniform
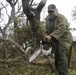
<point>63,40</point>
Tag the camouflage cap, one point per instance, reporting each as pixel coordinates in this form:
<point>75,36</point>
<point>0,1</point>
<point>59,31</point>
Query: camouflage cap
<point>52,7</point>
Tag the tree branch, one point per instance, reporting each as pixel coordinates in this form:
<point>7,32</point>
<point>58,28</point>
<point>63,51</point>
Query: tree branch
<point>10,2</point>
<point>9,61</point>
<point>12,60</point>
<point>41,5</point>
<point>26,9</point>
<point>16,44</point>
<point>39,9</point>
<point>30,15</point>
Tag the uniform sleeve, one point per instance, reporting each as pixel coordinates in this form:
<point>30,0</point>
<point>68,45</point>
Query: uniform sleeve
<point>61,28</point>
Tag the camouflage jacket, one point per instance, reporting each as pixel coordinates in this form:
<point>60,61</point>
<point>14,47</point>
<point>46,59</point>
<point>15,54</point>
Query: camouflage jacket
<point>61,32</point>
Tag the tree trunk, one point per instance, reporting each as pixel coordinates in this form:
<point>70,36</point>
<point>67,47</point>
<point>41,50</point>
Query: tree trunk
<point>33,16</point>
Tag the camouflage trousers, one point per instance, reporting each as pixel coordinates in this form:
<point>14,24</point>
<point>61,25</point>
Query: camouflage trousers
<point>61,61</point>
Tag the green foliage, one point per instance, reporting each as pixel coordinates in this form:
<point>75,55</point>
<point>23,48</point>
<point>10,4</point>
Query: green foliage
<point>24,33</point>
<point>72,72</point>
<point>27,69</point>
<point>23,68</point>
<point>8,50</point>
<point>41,29</point>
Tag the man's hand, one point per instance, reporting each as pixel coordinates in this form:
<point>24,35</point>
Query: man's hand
<point>47,38</point>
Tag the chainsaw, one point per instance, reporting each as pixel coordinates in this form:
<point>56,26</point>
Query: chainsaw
<point>44,49</point>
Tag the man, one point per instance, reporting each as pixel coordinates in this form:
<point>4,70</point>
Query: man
<point>58,31</point>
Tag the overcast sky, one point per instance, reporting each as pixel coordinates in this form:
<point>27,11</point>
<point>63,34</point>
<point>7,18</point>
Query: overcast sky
<point>64,7</point>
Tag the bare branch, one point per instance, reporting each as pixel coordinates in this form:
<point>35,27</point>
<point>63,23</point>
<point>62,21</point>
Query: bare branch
<point>30,15</point>
<point>15,43</point>
<point>39,9</point>
<point>15,2</point>
<point>1,30</point>
<point>9,61</point>
<point>18,9</point>
<point>2,8</point>
<point>5,8</point>
<point>26,8</point>
<point>10,2</point>
<point>31,2</point>
<point>6,26</point>
<point>12,60</point>
<point>41,5</point>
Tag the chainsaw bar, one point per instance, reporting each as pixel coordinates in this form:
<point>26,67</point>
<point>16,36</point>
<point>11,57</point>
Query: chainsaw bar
<point>34,55</point>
